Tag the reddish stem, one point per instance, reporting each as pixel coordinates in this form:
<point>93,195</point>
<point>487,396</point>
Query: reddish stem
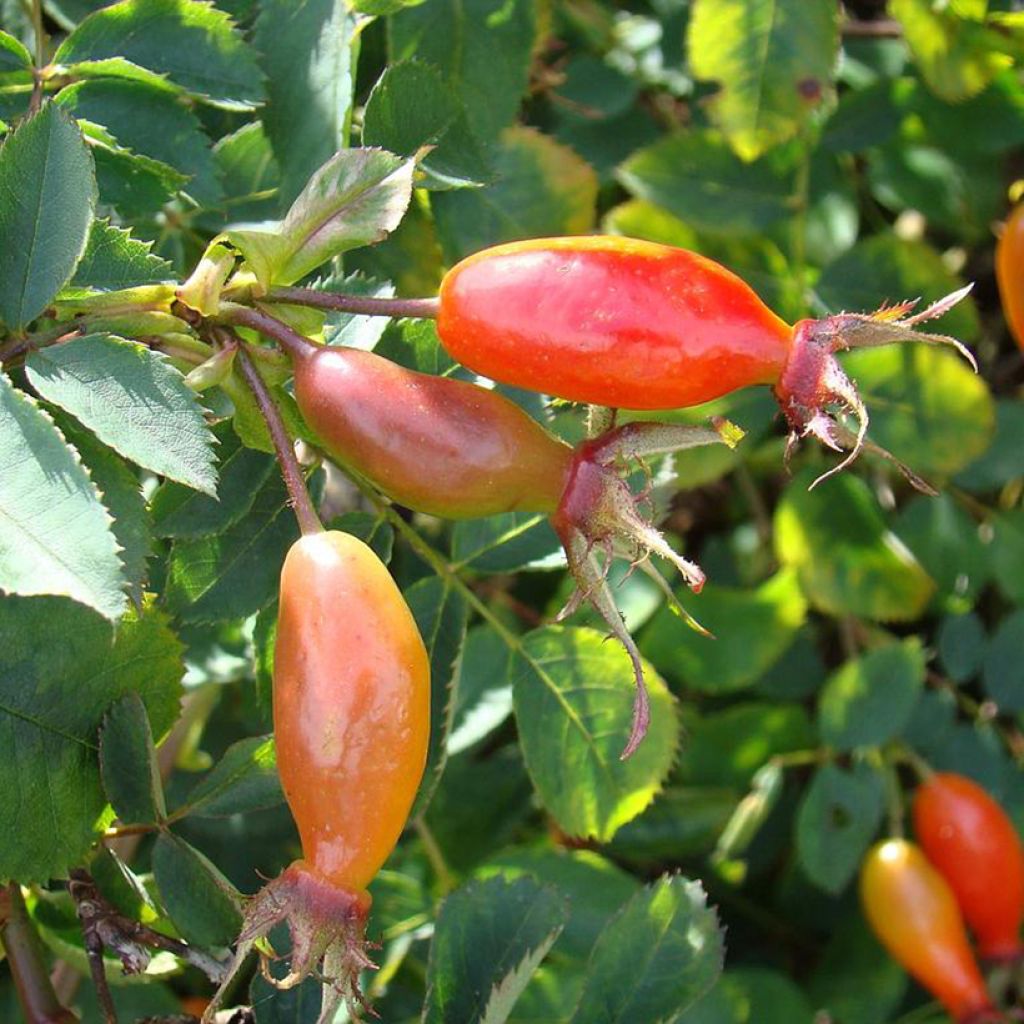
<point>297,345</point>
<point>421,309</point>
<point>309,521</point>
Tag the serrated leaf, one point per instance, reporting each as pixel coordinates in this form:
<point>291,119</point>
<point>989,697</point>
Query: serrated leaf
<point>837,819</point>
<point>697,177</point>
<point>306,52</point>
<point>489,68</point>
<point>441,614</point>
<point>113,259</point>
<point>573,697</point>
<point>355,199</point>
<point>847,561</point>
<point>57,536</point>
<point>14,55</point>
<point>675,956</point>
<point>489,938</point>
<point>244,779</point>
<point>411,106</point>
<point>151,122</point>
<point>131,775</point>
<point>234,573</point>
<point>121,494</point>
<point>47,199</point>
<point>60,669</point>
<point>353,330</point>
<point>773,61</point>
<point>483,690</point>
<point>505,543</point>
<point>181,512</point>
<point>541,188</point>
<point>870,698</point>
<point>958,56</point>
<point>133,400</point>
<point>755,628</point>
<point>193,44</point>
<point>200,901</point>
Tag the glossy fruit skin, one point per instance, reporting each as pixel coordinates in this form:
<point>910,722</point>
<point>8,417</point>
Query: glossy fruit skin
<point>351,706</point>
<point>1010,272</point>
<point>973,843</point>
<point>611,321</point>
<point>914,913</point>
<point>433,444</point>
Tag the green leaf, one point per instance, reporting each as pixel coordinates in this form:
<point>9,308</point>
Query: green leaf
<point>958,56</point>
<point>1003,460</point>
<point>505,543</point>
<point>542,188</point>
<point>14,55</point>
<point>489,938</point>
<point>49,188</point>
<point>113,259</point>
<point>856,980</point>
<point>596,889</point>
<point>884,268</point>
<point>573,697</point>
<point>863,117</point>
<point>273,1005</point>
<point>412,106</point>
<point>306,52</point>
<point>696,176</point>
<point>200,901</point>
<point>179,511</point>
<point>1003,672</point>
<point>773,61</point>
<point>57,537</point>
<point>245,779</point>
<point>150,121</point>
<point>193,44</point>
<point>61,667</point>
<point>927,406</point>
<point>726,748</point>
<point>441,614</point>
<point>742,992</point>
<point>1007,553</point>
<point>234,573</point>
<point>675,956</point>
<point>962,642</point>
<point>871,698</point>
<point>488,69</point>
<point>131,775</point>
<point>134,401</point>
<point>946,541</point>
<point>121,493</point>
<point>754,627</point>
<point>373,530</point>
<point>355,199</point>
<point>353,330</point>
<point>483,690</point>
<point>846,559</point>
<point>838,817</point>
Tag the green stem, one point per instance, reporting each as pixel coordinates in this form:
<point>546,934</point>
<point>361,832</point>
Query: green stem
<point>435,855</point>
<point>40,36</point>
<point>361,304</point>
<point>302,504</point>
<point>38,1001</point>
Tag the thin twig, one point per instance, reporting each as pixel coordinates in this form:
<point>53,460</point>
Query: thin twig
<point>421,309</point>
<point>38,1001</point>
<point>295,344</point>
<point>309,521</point>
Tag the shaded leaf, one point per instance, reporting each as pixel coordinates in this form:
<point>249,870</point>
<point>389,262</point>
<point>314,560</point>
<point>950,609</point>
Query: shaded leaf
<point>47,199</point>
<point>245,779</point>
<point>131,775</point>
<point>1003,670</point>
<point>504,543</point>
<point>113,259</point>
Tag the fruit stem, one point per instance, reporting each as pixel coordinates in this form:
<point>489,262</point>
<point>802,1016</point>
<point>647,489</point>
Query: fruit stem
<point>297,345</point>
<point>421,309</point>
<point>302,504</point>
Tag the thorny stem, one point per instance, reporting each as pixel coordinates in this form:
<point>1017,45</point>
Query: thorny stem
<point>294,343</point>
<point>422,309</point>
<point>38,1001</point>
<point>309,521</point>
<point>435,856</point>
